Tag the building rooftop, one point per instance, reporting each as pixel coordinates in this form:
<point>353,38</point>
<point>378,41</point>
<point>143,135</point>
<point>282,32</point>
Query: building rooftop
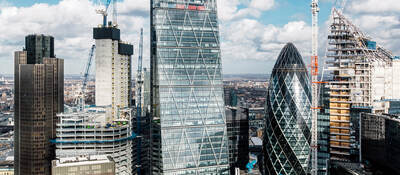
<point>82,160</point>
<point>97,117</point>
<point>256,141</point>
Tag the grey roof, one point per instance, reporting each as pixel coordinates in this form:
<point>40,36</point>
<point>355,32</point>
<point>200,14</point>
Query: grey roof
<point>256,141</point>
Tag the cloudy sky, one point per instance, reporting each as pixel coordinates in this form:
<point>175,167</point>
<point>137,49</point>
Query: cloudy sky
<point>252,31</point>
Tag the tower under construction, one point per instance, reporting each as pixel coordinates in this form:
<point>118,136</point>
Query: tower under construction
<point>363,74</point>
<point>113,69</point>
<point>105,128</point>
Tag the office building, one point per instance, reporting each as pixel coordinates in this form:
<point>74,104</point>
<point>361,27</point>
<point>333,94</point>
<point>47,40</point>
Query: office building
<point>237,121</point>
<point>380,141</point>
<point>39,47</point>
<point>188,119</point>
<point>39,96</point>
<point>93,165</point>
<point>363,74</point>
<point>288,120</point>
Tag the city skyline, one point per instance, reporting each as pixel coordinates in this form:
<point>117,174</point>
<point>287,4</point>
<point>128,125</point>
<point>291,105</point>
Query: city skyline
<point>271,24</point>
<point>266,87</point>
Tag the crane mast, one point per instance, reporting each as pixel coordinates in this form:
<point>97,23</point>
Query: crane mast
<point>314,84</point>
<point>139,84</point>
<point>85,78</point>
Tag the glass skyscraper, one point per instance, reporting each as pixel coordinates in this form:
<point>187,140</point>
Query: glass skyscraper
<point>188,126</point>
<point>288,110</point>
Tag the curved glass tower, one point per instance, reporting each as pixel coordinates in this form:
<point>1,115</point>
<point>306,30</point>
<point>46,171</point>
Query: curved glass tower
<point>188,116</point>
<point>288,122</point>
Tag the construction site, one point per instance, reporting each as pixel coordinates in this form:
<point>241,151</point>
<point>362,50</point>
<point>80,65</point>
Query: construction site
<point>363,76</point>
<point>95,132</point>
<point>105,128</point>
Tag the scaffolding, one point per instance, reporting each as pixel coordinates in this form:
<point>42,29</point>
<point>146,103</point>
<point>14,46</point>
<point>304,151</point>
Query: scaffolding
<point>354,60</point>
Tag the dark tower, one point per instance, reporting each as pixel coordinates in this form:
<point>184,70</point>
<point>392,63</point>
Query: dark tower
<point>39,96</point>
<point>237,121</point>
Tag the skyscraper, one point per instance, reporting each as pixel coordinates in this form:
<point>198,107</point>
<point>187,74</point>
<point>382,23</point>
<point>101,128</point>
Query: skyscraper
<point>39,95</point>
<point>288,116</point>
<point>189,133</point>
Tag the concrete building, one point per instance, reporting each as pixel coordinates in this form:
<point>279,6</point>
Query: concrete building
<point>95,132</point>
<point>39,84</point>
<point>93,165</point>
<point>237,121</point>
<point>189,134</point>
<point>364,73</point>
<point>113,69</point>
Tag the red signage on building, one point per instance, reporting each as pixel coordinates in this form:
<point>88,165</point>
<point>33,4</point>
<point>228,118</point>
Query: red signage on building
<point>201,8</point>
<point>180,6</point>
<point>192,7</point>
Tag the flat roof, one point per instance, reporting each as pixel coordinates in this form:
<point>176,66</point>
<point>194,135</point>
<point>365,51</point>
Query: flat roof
<point>82,160</point>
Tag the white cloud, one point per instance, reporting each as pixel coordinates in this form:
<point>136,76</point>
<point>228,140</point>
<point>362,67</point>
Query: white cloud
<point>250,39</point>
<point>262,4</point>
<point>378,19</point>
<point>243,37</point>
<point>375,6</point>
<point>229,10</point>
<point>71,23</point>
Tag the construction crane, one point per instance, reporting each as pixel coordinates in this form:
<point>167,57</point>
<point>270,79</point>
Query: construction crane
<point>85,78</point>
<point>139,83</point>
<point>314,86</point>
<point>104,12</point>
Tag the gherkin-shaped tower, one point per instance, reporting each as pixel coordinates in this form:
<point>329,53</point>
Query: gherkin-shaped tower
<point>288,122</point>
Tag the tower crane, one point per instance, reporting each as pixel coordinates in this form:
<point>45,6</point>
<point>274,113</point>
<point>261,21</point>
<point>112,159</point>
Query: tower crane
<point>85,78</point>
<point>104,12</point>
<point>314,87</point>
<point>139,84</point>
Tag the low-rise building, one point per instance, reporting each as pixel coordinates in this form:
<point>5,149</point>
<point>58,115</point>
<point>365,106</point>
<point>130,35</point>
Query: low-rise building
<point>93,165</point>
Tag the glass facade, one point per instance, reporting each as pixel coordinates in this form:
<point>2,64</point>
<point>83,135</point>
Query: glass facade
<point>189,133</point>
<point>288,120</point>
